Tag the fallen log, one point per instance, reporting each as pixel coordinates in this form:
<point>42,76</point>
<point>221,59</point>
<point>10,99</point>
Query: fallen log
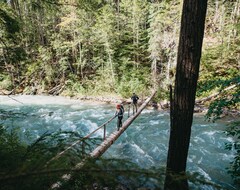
<point>215,94</point>
<point>78,141</point>
<point>97,152</point>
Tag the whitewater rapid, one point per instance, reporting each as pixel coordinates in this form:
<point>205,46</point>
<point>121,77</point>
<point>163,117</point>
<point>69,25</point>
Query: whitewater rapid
<point>144,143</point>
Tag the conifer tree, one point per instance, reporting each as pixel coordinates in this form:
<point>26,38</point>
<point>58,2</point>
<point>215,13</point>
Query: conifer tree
<point>188,61</point>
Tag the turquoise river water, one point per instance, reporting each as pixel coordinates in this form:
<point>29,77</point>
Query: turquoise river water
<point>144,143</point>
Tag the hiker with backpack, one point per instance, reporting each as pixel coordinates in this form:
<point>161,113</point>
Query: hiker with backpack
<point>134,102</point>
<point>119,113</point>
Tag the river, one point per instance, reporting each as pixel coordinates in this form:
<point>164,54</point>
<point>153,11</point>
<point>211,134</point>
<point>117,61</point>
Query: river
<point>144,143</point>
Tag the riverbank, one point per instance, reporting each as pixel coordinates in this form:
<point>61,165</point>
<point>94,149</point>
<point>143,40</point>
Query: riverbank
<point>114,99</point>
<point>144,143</point>
<point>161,105</point>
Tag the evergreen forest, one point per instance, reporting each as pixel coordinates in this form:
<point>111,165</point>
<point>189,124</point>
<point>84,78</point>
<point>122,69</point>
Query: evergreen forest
<point>81,47</point>
<point>113,48</point>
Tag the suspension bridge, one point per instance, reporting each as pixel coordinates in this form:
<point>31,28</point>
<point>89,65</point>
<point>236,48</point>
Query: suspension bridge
<point>106,143</point>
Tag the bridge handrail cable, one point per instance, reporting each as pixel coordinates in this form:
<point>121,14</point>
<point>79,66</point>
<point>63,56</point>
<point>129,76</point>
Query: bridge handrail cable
<point>83,138</point>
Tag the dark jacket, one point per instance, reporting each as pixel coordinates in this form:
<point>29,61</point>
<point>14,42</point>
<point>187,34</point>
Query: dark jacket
<point>134,98</point>
<point>120,112</point>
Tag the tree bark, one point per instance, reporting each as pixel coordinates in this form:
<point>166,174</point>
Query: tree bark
<point>188,61</point>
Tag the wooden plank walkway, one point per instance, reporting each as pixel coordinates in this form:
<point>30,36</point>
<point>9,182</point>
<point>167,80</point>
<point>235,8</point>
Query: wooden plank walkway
<point>98,151</point>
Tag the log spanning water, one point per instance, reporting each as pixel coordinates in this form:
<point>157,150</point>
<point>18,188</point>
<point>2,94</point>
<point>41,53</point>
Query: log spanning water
<point>114,136</point>
<point>98,151</point>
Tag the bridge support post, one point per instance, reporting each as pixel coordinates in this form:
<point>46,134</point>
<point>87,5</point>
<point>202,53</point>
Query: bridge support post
<point>97,152</point>
<point>83,148</point>
<point>104,132</point>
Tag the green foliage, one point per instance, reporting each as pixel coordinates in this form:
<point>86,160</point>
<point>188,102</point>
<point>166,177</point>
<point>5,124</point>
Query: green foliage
<point>54,41</point>
<point>91,5</point>
<point>60,41</point>
<point>133,80</point>
<point>128,86</point>
<point>8,21</point>
<point>216,108</point>
<point>163,34</point>
<point>219,69</point>
<point>105,174</point>
<point>234,169</point>
<point>73,87</point>
<point>10,50</point>
<point>227,100</point>
<point>11,150</point>
<point>5,82</point>
<point>28,166</point>
<point>162,94</point>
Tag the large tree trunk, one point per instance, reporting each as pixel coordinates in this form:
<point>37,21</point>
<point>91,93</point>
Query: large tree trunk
<point>188,61</point>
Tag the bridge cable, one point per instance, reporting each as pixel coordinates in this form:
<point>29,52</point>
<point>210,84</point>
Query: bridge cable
<point>78,141</point>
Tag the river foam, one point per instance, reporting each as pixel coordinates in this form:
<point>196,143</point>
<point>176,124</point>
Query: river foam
<point>144,143</point>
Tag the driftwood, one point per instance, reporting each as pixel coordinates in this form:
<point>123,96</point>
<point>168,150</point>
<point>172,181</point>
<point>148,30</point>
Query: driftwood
<point>6,92</point>
<point>215,94</point>
<point>56,90</point>
<point>105,144</point>
<point>165,105</point>
<point>198,108</point>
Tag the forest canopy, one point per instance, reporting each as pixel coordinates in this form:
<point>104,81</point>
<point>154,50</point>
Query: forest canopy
<point>78,47</point>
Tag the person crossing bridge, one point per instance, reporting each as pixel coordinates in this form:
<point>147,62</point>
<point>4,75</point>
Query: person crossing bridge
<point>119,112</point>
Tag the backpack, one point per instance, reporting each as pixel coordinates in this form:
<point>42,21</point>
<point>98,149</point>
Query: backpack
<point>121,111</point>
<point>122,108</point>
<point>135,98</point>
